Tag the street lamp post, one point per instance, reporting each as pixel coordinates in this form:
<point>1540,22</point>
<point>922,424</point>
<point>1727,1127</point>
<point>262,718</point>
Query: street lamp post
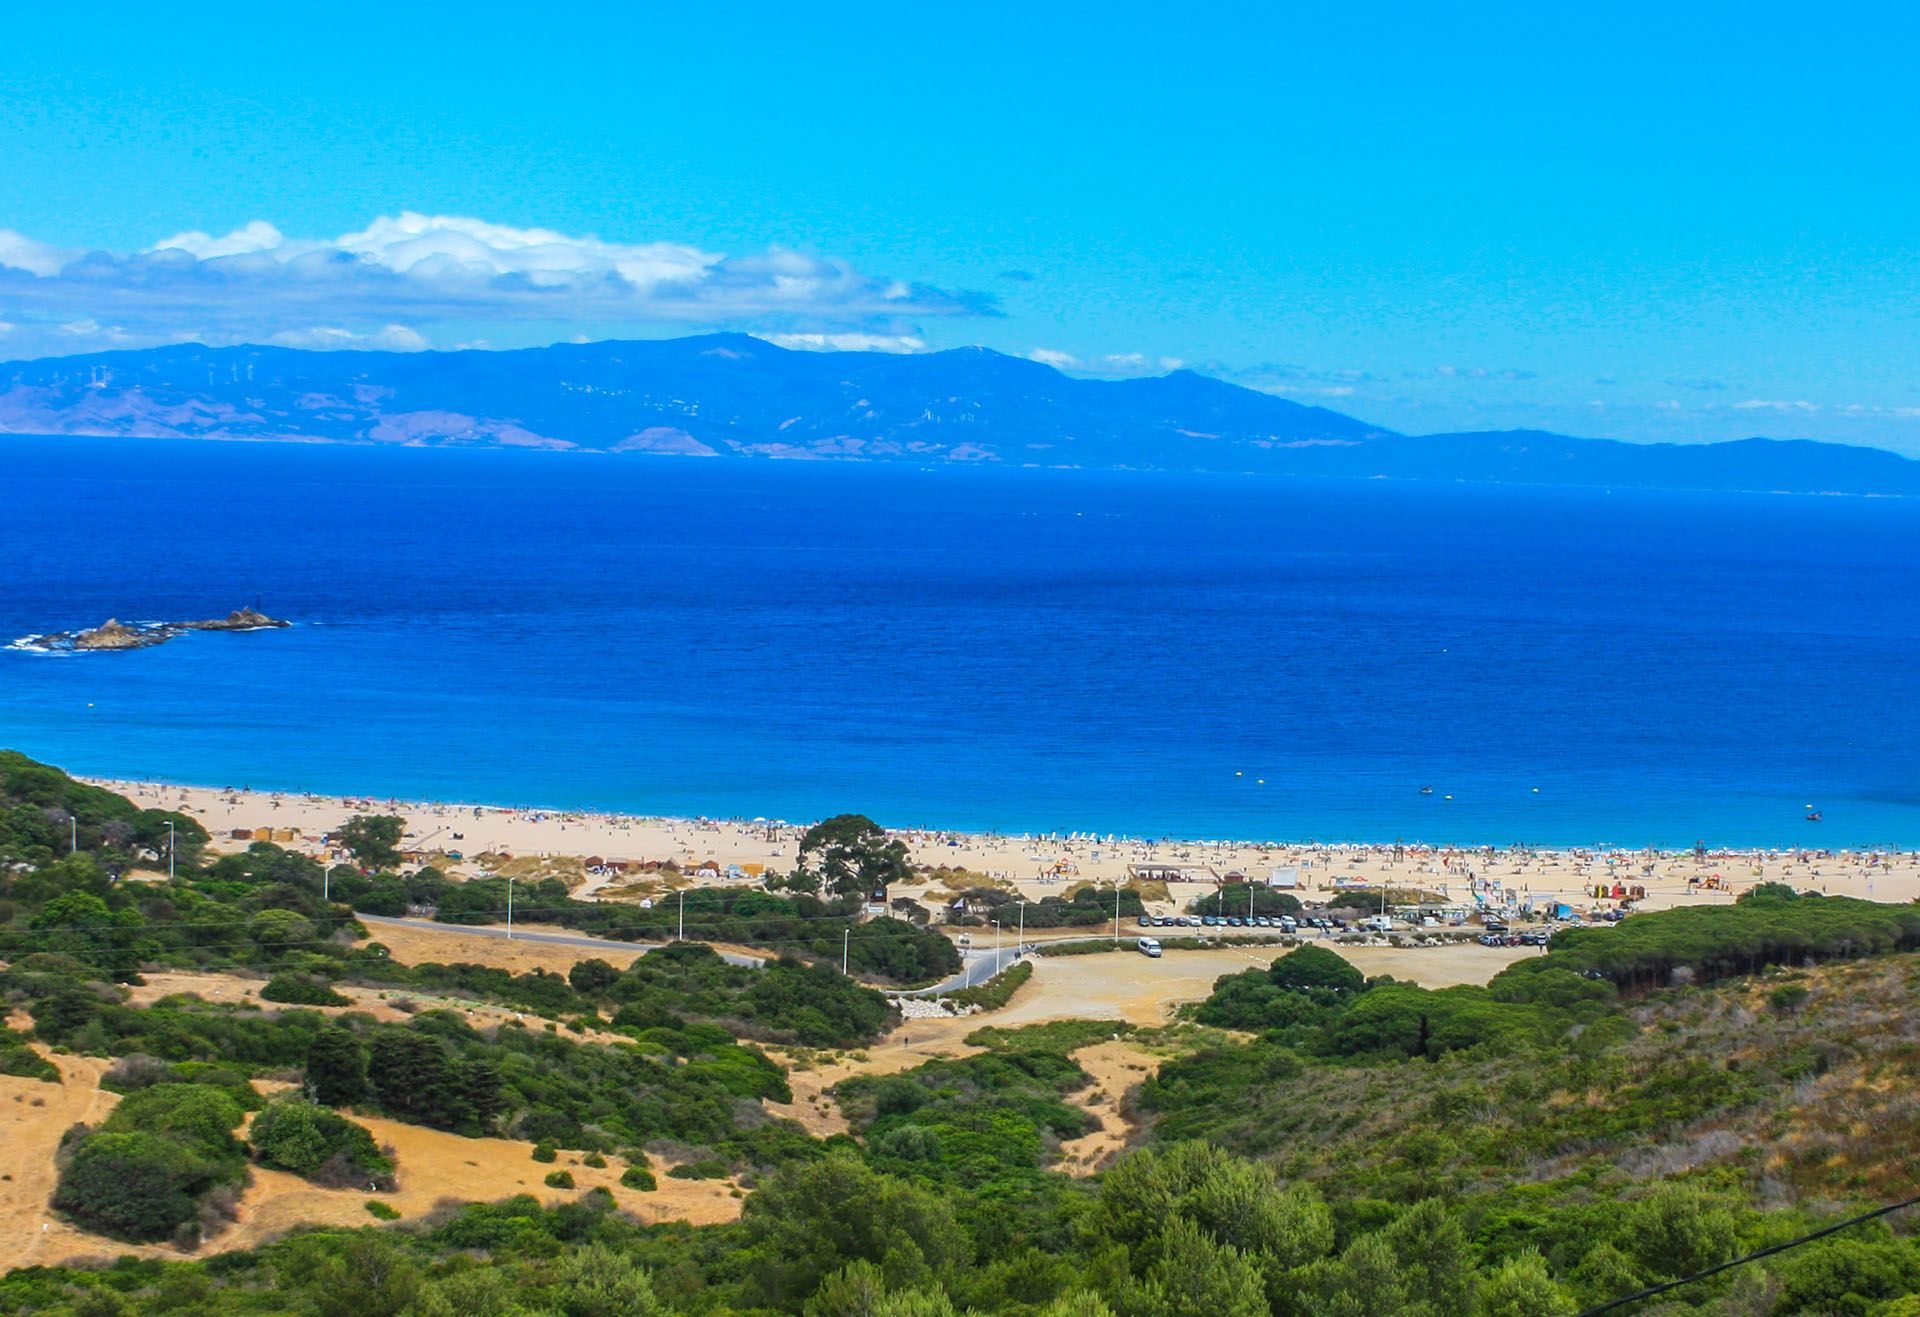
<point>73,821</point>
<point>996,946</point>
<point>846,945</point>
<point>683,915</point>
<point>1020,943</point>
<point>509,907</point>
<point>170,840</point>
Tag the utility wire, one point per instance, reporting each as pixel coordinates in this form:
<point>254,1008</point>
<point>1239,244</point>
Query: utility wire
<point>1768,1252</point>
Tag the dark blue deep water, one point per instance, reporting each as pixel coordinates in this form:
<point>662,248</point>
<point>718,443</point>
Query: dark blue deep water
<point>969,648</point>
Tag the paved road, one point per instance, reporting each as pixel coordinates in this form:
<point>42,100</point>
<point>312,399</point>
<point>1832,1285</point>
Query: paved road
<point>581,940</point>
<point>978,967</point>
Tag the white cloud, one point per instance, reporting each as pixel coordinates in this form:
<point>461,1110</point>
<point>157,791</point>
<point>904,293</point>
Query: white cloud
<point>1878,411</point>
<point>1108,364</point>
<point>256,283</point>
<point>389,338</point>
<point>258,236</point>
<point>1774,405</point>
<point>848,342</point>
<point>19,252</point>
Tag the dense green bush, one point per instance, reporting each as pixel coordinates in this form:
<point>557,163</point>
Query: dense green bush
<point>133,1186</point>
<point>996,991</point>
<point>17,1058</point>
<point>1233,899</point>
<point>145,1173</point>
<point>1767,926</point>
<point>301,990</point>
<point>318,1144</point>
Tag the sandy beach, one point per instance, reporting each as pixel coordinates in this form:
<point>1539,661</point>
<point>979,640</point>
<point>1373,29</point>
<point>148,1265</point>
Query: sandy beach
<point>1034,865</point>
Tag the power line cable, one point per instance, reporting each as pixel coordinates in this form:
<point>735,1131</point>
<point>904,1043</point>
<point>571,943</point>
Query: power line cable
<point>1653,1290</point>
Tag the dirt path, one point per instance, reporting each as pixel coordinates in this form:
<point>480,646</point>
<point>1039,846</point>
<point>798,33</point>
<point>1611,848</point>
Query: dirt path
<point>914,1043</point>
<point>1116,1067</point>
<point>33,1115</point>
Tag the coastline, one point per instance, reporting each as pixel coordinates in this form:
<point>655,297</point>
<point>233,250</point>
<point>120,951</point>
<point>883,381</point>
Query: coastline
<point>1037,865</point>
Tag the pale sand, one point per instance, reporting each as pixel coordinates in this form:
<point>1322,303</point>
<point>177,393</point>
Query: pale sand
<point>1117,1070</point>
<point>1041,866</point>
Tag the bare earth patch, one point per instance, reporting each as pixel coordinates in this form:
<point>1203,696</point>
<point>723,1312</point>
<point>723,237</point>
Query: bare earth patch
<point>434,1167</point>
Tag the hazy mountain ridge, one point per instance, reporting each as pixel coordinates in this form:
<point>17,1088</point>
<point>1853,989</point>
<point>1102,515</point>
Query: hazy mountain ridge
<point>734,395</point>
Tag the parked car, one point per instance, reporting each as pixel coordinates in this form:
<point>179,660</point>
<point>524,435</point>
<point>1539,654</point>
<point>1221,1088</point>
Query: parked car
<point>1149,946</point>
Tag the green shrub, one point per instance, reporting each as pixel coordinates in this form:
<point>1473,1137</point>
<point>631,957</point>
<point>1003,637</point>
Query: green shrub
<point>1788,998</point>
<point>638,1177</point>
<point>301,990</point>
<point>136,1187</point>
<point>707,1168</point>
<point>380,1211</point>
<point>16,1058</point>
<point>320,1145</point>
<point>201,1117</point>
<point>996,991</point>
<point>594,1160</point>
<point>559,1179</point>
<point>545,1152</point>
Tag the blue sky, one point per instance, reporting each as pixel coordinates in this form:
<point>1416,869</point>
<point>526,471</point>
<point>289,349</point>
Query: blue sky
<point>1647,221</point>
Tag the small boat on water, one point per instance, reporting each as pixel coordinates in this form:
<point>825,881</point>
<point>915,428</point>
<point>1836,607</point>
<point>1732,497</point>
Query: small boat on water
<point>1426,791</point>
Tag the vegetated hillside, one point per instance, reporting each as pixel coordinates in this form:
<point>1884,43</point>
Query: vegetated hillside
<point>735,395</point>
<point>1530,1147</point>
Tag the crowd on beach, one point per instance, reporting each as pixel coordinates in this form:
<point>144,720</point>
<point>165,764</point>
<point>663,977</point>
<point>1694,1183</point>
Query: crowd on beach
<point>1036,863</point>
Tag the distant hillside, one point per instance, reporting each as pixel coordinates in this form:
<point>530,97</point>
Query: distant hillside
<point>734,395</point>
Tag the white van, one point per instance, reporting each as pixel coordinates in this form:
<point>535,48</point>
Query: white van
<point>1149,946</point>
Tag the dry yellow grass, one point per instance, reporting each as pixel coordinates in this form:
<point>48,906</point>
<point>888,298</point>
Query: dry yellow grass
<point>434,1167</point>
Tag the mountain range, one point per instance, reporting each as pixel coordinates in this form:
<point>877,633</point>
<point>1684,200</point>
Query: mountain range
<point>732,395</point>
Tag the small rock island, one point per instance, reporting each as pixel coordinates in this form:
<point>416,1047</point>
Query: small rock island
<point>115,634</point>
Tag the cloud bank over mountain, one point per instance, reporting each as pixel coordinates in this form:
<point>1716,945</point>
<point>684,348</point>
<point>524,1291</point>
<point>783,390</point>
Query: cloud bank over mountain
<point>384,285</point>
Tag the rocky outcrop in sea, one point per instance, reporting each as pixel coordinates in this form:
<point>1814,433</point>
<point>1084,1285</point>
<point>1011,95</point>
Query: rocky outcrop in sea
<point>114,634</point>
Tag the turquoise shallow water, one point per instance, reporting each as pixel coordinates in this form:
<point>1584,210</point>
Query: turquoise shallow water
<point>977,648</point>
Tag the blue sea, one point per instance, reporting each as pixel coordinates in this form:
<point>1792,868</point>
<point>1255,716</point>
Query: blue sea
<point>1023,650</point>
